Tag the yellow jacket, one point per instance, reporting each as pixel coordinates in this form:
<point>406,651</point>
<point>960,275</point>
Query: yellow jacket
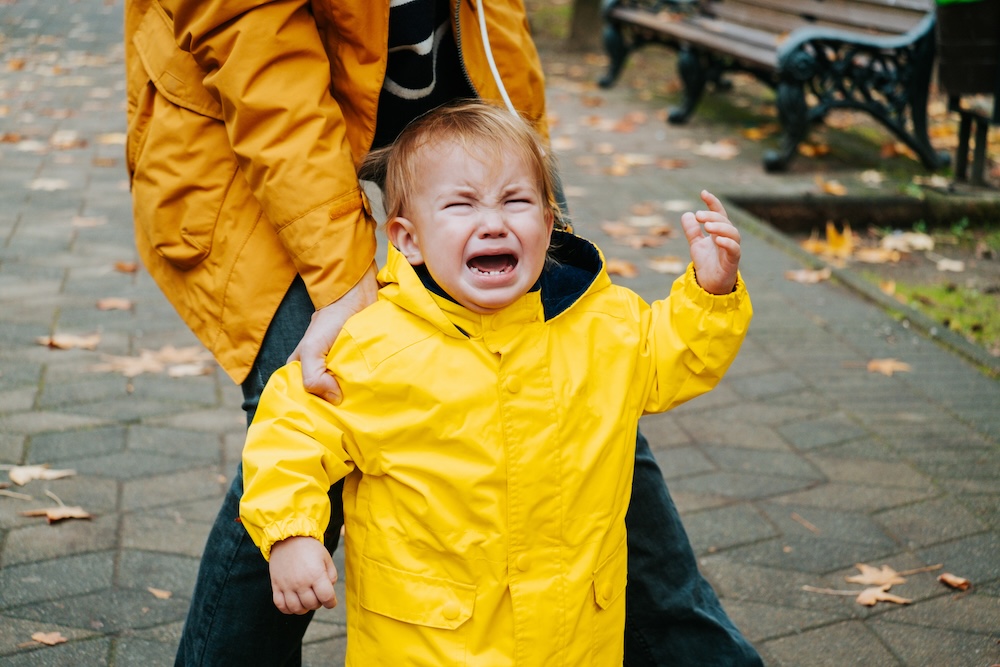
<point>246,120</point>
<point>488,460</point>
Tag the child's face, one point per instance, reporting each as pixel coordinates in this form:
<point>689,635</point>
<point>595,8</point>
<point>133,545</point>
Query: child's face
<point>482,229</point>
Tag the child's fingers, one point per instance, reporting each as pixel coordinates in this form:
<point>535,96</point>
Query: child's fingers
<point>691,226</point>
<point>724,229</point>
<point>713,203</point>
<point>324,593</point>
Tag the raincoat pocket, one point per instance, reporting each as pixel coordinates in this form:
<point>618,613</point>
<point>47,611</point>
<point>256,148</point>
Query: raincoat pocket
<point>415,598</point>
<point>607,628</point>
<point>610,577</point>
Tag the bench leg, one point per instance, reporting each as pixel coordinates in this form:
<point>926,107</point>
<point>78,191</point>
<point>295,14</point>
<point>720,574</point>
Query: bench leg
<point>793,114</point>
<point>694,76</point>
<point>617,50</point>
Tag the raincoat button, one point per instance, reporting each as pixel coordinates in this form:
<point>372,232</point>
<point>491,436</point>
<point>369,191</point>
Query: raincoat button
<point>513,384</point>
<point>451,610</point>
<point>523,562</point>
<point>606,592</point>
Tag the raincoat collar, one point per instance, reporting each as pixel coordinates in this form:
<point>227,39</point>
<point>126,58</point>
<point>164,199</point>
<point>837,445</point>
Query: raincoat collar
<point>576,268</point>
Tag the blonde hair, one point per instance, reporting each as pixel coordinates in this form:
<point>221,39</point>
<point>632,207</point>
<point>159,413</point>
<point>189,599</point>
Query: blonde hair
<point>486,131</point>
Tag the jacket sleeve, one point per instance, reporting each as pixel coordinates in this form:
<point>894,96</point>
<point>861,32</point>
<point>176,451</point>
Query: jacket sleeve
<point>266,65</point>
<point>295,451</point>
<point>693,339</point>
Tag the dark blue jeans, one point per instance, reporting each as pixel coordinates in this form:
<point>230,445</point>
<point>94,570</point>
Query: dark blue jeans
<point>673,617</point>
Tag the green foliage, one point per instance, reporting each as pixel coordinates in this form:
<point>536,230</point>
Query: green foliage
<point>968,311</point>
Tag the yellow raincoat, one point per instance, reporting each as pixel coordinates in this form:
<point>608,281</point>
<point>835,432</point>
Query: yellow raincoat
<point>488,459</point>
<point>246,120</point>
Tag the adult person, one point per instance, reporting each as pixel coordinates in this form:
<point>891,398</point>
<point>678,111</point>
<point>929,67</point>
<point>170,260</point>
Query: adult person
<point>247,120</point>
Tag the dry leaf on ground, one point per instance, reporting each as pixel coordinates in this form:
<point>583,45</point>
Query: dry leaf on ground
<point>669,264</point>
<point>877,255</point>
<point>159,593</point>
<point>671,163</point>
<point>48,184</point>
<point>59,513</point>
<point>873,576</point>
<point>871,596</point>
<point>840,244</point>
<point>176,361</point>
<point>621,267</point>
<point>49,638</point>
<point>617,229</point>
<point>21,475</point>
<point>831,187</point>
<point>89,221</point>
<point>114,303</point>
<point>638,242</point>
<point>808,276</point>
<point>953,265</point>
<point>888,366</point>
<point>954,581</point>
<point>724,149</point>
<point>907,242</point>
<point>70,341</point>
<point>126,267</point>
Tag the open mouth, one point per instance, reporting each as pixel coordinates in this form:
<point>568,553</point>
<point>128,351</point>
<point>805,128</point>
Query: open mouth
<point>492,265</point>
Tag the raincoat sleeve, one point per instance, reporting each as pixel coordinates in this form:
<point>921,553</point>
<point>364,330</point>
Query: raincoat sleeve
<point>693,338</point>
<point>296,449</point>
<point>266,65</point>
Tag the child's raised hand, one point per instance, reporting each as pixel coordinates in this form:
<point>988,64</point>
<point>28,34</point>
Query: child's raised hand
<point>715,245</point>
<point>302,575</point>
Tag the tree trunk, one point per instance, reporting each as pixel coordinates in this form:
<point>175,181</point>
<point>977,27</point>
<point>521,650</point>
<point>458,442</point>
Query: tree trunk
<point>586,25</point>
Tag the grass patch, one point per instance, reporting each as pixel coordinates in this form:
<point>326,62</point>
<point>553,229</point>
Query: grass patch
<point>965,310</point>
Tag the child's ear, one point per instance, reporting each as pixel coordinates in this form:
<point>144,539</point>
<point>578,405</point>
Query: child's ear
<point>403,235</point>
<point>550,221</point>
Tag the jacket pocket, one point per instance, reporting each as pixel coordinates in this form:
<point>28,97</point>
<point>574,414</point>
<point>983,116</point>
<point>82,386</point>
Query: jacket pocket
<point>415,598</point>
<point>174,72</point>
<point>183,169</point>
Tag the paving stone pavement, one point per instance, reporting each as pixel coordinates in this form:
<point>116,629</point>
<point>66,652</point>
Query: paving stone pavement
<point>799,466</point>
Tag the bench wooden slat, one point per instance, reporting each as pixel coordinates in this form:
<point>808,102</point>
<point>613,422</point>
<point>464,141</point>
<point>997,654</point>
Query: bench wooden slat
<point>741,33</point>
<point>850,15</point>
<point>685,32</point>
<point>774,21</point>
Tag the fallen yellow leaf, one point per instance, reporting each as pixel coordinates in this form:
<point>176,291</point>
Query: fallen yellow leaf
<point>621,267</point>
<point>159,593</point>
<point>873,576</point>
<point>21,475</point>
<point>877,255</point>
<point>114,303</point>
<point>668,264</point>
<point>831,187</point>
<point>871,596</point>
<point>949,579</point>
<point>808,276</point>
<point>617,229</point>
<point>49,638</point>
<point>887,366</point>
<point>839,244</point>
<point>59,513</point>
<point>70,341</point>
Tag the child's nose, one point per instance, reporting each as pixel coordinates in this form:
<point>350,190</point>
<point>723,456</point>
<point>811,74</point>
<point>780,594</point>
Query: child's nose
<point>492,223</point>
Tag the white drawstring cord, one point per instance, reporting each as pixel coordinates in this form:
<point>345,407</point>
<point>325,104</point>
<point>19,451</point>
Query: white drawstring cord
<point>489,58</point>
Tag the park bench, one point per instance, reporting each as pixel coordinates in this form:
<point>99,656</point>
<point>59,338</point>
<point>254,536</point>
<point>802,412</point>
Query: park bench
<point>873,55</point>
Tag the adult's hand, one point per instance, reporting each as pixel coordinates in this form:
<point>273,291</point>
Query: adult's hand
<point>323,329</point>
